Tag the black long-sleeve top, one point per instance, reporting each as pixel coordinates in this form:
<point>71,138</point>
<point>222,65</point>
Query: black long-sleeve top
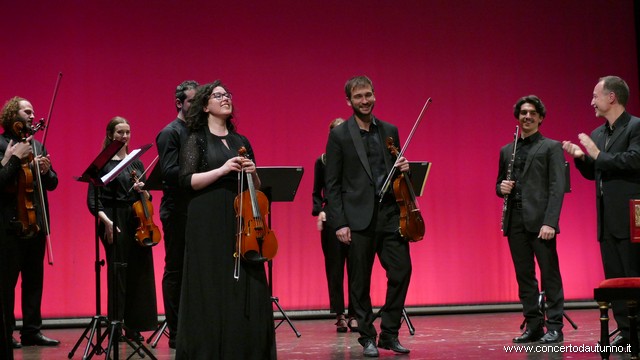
<point>169,142</point>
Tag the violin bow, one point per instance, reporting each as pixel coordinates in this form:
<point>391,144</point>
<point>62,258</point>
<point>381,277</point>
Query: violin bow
<point>39,179</point>
<point>387,182</point>
<point>53,100</point>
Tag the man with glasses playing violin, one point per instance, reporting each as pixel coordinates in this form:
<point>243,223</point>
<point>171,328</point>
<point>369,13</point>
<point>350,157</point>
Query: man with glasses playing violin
<point>357,165</point>
<point>25,248</point>
<point>533,179</point>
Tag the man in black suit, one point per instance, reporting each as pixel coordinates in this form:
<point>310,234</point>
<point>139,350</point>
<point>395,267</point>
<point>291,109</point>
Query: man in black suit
<point>173,207</point>
<point>10,162</point>
<point>535,193</point>
<point>612,159</point>
<point>357,165</point>
<point>25,244</point>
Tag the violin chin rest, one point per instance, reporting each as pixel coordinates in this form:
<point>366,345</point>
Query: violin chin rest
<point>253,256</point>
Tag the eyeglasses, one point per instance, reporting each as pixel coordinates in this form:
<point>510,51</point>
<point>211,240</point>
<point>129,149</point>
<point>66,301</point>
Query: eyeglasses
<point>219,96</point>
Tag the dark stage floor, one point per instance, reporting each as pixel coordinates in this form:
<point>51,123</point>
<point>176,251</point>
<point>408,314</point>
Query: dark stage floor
<point>464,336</point>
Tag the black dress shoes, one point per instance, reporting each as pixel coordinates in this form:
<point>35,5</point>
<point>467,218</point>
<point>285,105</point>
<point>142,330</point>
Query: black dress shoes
<point>528,336</point>
<point>38,339</point>
<point>551,337</point>
<point>393,345</point>
<point>15,344</point>
<point>370,349</point>
<point>132,335</point>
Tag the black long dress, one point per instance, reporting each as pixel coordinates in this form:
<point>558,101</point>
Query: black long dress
<point>136,289</point>
<point>219,317</point>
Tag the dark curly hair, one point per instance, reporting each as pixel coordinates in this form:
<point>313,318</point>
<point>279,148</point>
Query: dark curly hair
<point>196,118</point>
<point>533,100</point>
<point>9,112</point>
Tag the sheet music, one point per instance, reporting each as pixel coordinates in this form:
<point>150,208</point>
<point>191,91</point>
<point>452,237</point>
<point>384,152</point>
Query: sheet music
<point>116,170</point>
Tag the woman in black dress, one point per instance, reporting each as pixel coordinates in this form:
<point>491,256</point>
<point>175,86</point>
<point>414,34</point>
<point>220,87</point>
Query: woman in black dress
<point>134,284</point>
<point>220,317</point>
<point>336,254</point>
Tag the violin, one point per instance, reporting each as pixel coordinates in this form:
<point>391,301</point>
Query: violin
<point>147,233</point>
<point>26,209</point>
<point>411,222</point>
<point>255,241</point>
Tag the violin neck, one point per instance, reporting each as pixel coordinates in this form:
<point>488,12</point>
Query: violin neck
<point>410,187</point>
<point>252,193</point>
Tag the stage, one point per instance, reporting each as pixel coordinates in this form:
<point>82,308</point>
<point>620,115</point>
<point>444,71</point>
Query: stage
<point>458,336</point>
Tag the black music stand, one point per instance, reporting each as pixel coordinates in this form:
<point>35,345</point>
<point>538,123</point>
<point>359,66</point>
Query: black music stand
<point>114,329</point>
<point>280,184</point>
<point>419,171</point>
<point>154,182</point>
<point>91,175</point>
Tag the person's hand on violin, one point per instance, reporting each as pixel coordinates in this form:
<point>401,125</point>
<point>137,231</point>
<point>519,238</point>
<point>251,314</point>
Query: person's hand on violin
<point>44,163</point>
<point>233,165</point>
<point>20,149</point>
<point>138,186</point>
<point>506,186</point>
<point>402,164</point>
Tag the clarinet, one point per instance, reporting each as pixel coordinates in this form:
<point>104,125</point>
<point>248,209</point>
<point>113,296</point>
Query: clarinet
<point>509,171</point>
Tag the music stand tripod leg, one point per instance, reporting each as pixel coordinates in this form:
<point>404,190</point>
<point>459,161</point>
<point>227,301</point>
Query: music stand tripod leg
<point>95,326</point>
<point>543,308</point>
<point>155,337</point>
<point>412,330</point>
<point>286,318</point>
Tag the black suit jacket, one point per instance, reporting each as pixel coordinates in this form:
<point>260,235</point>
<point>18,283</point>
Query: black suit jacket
<point>542,184</point>
<point>616,172</point>
<point>350,186</point>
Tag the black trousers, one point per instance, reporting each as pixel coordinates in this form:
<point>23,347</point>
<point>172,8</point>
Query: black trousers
<point>26,259</point>
<point>174,239</point>
<point>6,348</point>
<point>620,258</point>
<point>335,258</point>
<point>381,238</point>
<point>526,248</point>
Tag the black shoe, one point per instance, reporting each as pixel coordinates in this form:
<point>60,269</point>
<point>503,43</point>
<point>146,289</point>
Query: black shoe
<point>38,339</point>
<point>370,349</point>
<point>619,341</point>
<point>134,335</point>
<point>352,323</point>
<point>393,345</point>
<point>529,336</point>
<point>551,337</point>
<point>15,344</point>
<point>172,343</point>
<point>341,324</point>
